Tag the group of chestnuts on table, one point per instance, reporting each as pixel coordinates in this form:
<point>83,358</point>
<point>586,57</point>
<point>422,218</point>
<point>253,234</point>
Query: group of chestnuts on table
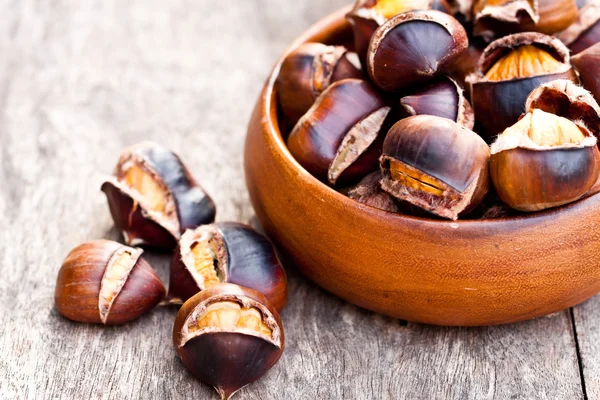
<point>451,109</point>
<point>226,275</point>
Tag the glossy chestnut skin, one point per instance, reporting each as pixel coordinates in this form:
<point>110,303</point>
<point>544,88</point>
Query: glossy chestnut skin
<point>365,19</point>
<point>368,191</point>
<point>587,64</point>
<point>81,278</point>
<point>227,359</point>
<point>342,109</point>
<point>499,104</point>
<point>188,205</point>
<point>443,98</point>
<point>585,32</point>
<point>413,48</point>
<point>307,71</point>
<point>437,149</point>
<point>245,257</point>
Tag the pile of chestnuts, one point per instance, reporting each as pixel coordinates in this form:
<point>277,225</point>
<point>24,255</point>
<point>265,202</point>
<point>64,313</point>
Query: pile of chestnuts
<point>451,109</point>
<point>226,276</point>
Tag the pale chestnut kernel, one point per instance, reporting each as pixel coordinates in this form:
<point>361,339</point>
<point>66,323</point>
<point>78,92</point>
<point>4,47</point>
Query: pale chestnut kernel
<point>523,62</point>
<point>205,260</point>
<point>231,316</point>
<point>389,8</point>
<point>148,187</point>
<point>415,179</point>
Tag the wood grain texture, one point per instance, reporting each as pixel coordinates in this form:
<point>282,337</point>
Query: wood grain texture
<point>79,81</point>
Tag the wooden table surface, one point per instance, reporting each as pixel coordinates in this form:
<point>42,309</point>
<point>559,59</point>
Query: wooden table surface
<point>79,81</point>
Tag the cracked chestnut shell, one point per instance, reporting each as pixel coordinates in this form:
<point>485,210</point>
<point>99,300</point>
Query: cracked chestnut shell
<point>104,282</point>
<point>368,15</point>
<point>339,138</point>
<point>443,98</point>
<point>566,99</point>
<point>435,164</point>
<point>368,191</point>
<point>226,252</point>
<point>307,71</point>
<point>543,161</point>
<point>153,198</point>
<point>413,48</point>
<point>509,69</point>
<point>228,336</point>
<point>585,32</point>
<point>587,64</point>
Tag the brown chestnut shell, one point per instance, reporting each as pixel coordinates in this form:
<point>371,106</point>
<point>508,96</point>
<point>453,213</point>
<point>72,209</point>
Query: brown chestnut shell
<point>499,104</point>
<point>368,191</point>
<point>340,138</point>
<point>83,275</point>
<point>188,205</point>
<point>307,71</point>
<point>443,98</point>
<point>241,256</point>
<point>413,48</point>
<point>227,359</point>
<point>585,32</point>
<point>440,150</point>
<point>587,64</point>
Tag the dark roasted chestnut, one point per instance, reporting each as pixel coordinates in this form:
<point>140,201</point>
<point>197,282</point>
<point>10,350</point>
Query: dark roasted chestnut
<point>466,64</point>
<point>413,48</point>
<point>368,191</point>
<point>509,69</point>
<point>585,32</point>
<point>566,99</point>
<point>368,15</point>
<point>587,64</point>
<point>544,161</point>
<point>339,138</point>
<point>443,98</point>
<point>307,71</point>
<point>435,164</point>
<point>104,282</point>
<point>226,252</point>
<point>228,336</point>
<point>153,198</point>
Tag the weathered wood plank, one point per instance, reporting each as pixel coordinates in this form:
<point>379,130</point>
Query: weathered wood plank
<point>81,80</point>
<point>587,322</point>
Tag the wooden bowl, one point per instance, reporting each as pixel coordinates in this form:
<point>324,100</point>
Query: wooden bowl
<point>445,273</point>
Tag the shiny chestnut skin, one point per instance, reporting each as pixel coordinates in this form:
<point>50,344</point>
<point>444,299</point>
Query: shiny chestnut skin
<point>413,48</point>
<point>498,104</point>
<point>585,32</point>
<point>435,164</point>
<point>221,350</point>
<point>104,282</point>
<point>153,197</point>
<point>307,71</point>
<point>531,176</point>
<point>587,64</point>
<point>368,191</point>
<point>443,98</point>
<point>339,139</point>
<point>228,252</point>
<point>368,15</point>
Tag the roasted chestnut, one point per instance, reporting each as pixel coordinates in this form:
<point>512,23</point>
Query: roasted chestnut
<point>585,32</point>
<point>509,69</point>
<point>587,64</point>
<point>566,99</point>
<point>466,64</point>
<point>435,164</point>
<point>443,98</point>
<point>368,15</point>
<point>496,18</point>
<point>226,252</point>
<point>339,138</point>
<point>307,71</point>
<point>104,282</point>
<point>153,197</point>
<point>413,48</point>
<point>543,161</point>
<point>368,191</point>
<point>228,336</point>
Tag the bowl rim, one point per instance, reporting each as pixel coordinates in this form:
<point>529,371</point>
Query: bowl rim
<point>334,22</point>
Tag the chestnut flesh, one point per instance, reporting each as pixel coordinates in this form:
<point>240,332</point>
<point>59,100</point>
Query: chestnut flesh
<point>339,138</point>
<point>413,48</point>
<point>228,336</point>
<point>153,198</point>
<point>435,164</point>
<point>104,282</point>
<point>226,252</point>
